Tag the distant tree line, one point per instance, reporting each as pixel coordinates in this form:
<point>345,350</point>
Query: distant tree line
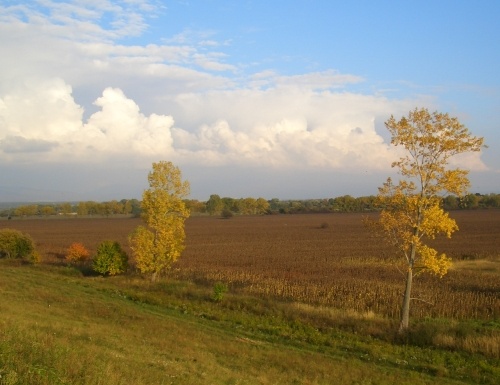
<point>85,208</point>
<point>241,206</point>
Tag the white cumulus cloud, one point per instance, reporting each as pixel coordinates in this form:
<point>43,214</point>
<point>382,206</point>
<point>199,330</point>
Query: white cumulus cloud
<point>43,117</point>
<point>267,128</point>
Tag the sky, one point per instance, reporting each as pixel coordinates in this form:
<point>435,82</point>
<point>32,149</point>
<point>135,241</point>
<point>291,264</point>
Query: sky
<point>264,98</point>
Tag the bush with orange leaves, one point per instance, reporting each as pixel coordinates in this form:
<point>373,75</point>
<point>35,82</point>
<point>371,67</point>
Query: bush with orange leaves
<point>77,253</point>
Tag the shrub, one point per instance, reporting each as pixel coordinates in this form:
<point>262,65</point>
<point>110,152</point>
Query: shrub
<point>15,244</point>
<point>110,259</point>
<point>226,214</point>
<point>219,290</point>
<point>35,257</point>
<point>77,253</point>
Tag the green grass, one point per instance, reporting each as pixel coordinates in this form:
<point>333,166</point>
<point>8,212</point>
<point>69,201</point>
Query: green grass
<point>59,327</point>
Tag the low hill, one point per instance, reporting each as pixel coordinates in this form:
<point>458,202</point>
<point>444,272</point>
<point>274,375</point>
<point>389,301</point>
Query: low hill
<point>60,327</point>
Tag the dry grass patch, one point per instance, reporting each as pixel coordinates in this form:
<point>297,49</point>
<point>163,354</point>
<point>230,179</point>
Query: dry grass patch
<point>489,265</point>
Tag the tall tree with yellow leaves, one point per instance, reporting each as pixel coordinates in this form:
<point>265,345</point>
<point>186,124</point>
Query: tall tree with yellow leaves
<point>160,243</point>
<point>411,210</point>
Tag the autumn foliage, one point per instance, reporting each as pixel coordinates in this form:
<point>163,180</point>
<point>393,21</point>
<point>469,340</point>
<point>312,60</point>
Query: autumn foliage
<point>77,253</point>
<point>412,212</point>
<point>160,242</point>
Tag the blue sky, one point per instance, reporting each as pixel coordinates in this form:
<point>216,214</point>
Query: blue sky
<point>268,99</point>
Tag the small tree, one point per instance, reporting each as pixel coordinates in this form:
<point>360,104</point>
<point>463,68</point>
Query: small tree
<point>77,253</point>
<point>110,259</point>
<point>160,243</point>
<point>412,209</point>
<point>15,244</point>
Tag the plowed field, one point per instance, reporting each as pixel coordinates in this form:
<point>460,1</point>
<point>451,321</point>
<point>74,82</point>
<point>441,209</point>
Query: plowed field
<point>326,259</point>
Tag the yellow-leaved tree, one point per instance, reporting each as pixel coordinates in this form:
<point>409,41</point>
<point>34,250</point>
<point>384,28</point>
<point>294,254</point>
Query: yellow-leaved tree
<point>411,210</point>
<point>161,241</point>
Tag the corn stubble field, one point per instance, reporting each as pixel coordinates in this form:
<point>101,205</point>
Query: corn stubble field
<point>318,259</point>
<point>312,299</point>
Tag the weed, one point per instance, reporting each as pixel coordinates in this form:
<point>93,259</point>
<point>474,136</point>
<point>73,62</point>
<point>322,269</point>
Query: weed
<point>220,289</point>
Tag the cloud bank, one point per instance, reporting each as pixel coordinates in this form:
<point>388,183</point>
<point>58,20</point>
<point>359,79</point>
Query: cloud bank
<point>73,94</point>
<point>283,127</point>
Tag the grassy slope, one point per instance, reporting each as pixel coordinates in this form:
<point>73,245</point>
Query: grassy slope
<point>57,327</point>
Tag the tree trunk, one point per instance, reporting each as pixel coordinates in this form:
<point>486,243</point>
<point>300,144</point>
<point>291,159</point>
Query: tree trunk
<point>405,310</point>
